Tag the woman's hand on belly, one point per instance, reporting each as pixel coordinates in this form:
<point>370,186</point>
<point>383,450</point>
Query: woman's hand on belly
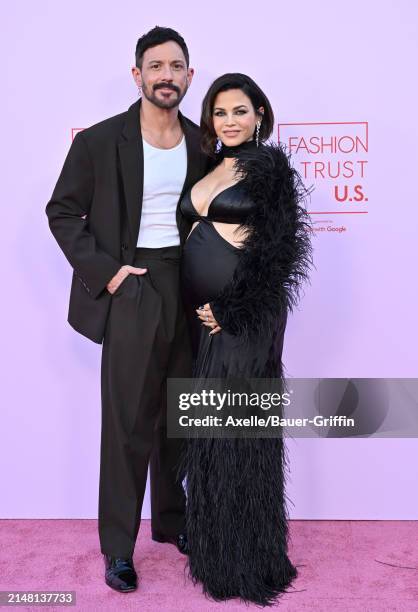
<point>206,316</point>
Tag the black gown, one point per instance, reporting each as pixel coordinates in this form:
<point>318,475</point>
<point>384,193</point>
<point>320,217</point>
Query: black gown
<point>236,515</point>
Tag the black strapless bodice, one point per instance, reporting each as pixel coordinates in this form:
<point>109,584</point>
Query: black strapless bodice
<point>231,205</point>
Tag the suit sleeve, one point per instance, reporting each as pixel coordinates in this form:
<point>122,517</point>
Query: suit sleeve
<point>69,203</point>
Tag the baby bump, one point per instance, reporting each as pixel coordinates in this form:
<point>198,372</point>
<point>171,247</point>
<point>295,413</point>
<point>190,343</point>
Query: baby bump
<point>208,264</point>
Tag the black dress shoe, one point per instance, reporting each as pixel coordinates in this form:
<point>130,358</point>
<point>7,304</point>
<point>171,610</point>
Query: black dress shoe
<point>120,574</point>
<point>180,541</point>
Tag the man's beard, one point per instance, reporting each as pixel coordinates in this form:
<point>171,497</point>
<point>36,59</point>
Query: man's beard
<point>167,104</point>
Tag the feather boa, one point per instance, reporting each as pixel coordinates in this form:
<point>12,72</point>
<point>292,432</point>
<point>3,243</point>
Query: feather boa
<point>276,255</point>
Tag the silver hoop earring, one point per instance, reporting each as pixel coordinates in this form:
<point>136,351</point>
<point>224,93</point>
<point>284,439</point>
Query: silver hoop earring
<point>257,134</point>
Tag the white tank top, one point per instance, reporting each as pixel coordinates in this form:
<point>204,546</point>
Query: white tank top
<point>164,175</point>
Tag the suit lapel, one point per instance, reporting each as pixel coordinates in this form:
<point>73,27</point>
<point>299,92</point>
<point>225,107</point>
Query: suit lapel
<point>193,154</point>
<point>131,157</point>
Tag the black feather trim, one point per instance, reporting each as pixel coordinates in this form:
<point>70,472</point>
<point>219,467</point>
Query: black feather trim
<point>237,518</point>
<point>276,255</point>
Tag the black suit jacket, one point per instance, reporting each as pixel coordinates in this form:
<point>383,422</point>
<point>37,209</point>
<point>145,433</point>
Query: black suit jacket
<point>95,209</point>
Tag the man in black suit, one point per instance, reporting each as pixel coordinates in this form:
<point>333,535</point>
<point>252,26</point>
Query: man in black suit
<point>114,212</point>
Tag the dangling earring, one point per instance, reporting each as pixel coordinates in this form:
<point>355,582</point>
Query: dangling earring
<point>139,90</point>
<point>218,145</point>
<point>257,134</point>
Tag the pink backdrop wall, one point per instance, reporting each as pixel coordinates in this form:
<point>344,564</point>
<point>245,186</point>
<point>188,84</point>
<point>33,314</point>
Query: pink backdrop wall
<point>68,65</point>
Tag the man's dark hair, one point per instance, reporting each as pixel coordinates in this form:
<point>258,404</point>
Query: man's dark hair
<point>158,36</point>
<point>225,82</point>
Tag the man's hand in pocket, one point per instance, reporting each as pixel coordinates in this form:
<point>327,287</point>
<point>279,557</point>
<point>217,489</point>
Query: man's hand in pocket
<point>123,273</point>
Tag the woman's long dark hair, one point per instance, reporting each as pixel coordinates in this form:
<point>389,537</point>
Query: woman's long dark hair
<point>233,80</point>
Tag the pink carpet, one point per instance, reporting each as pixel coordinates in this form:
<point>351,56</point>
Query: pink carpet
<point>367,566</point>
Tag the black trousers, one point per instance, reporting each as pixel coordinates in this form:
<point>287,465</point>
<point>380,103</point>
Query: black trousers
<point>146,341</point>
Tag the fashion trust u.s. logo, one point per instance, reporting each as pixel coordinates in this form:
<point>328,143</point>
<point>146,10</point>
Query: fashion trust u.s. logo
<point>333,158</point>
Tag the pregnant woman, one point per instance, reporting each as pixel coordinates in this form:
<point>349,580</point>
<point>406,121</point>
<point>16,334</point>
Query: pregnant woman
<point>243,263</point>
